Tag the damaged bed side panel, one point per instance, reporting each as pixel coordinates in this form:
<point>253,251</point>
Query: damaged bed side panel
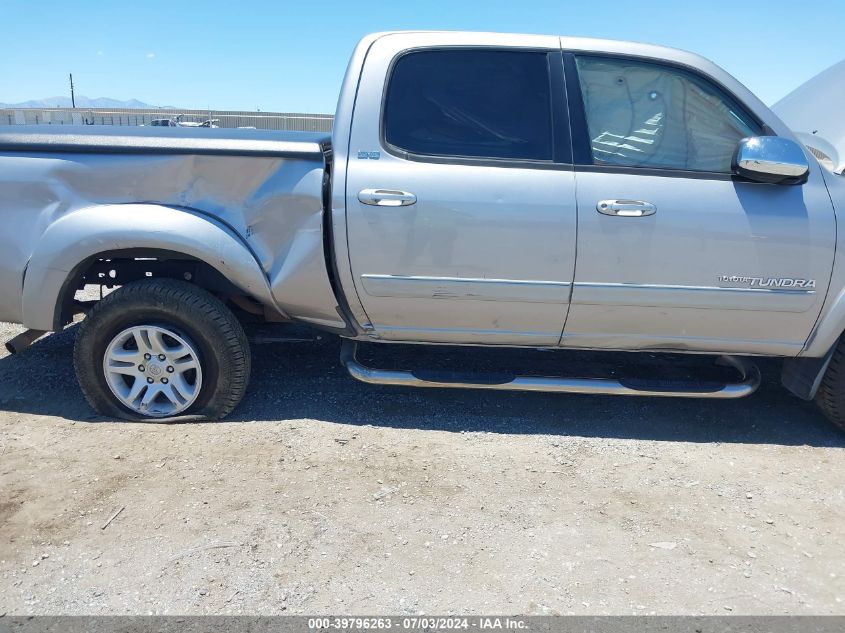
<point>271,203</point>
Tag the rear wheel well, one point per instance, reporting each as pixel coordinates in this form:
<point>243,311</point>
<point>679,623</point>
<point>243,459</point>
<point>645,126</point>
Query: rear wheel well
<point>117,268</point>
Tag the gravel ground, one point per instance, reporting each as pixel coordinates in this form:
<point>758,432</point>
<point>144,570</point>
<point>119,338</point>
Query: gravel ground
<point>323,495</point>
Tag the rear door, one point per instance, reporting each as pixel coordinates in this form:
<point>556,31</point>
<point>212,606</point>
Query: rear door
<point>460,192</point>
<point>673,251</point>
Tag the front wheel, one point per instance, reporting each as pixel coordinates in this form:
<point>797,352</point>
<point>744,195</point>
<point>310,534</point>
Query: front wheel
<point>160,349</point>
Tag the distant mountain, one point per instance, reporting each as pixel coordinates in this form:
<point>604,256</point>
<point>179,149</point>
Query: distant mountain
<point>81,102</point>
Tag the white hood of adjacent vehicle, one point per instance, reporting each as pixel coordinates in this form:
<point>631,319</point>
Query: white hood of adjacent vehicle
<point>815,111</point>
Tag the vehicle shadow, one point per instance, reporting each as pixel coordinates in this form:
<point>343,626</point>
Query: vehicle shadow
<point>305,380</point>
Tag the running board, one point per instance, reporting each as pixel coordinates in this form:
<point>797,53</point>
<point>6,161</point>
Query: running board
<point>750,380</point>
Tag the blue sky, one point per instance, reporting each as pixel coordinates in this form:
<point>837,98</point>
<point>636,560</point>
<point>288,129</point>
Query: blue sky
<point>291,56</point>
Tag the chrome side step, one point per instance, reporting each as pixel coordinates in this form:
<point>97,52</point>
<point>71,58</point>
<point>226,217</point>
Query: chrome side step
<point>750,380</point>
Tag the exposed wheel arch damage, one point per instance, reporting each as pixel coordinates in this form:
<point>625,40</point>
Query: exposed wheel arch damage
<point>113,269</point>
<point>74,243</point>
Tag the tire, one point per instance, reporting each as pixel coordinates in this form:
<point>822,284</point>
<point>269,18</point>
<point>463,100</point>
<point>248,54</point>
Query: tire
<point>162,315</point>
<point>831,394</point>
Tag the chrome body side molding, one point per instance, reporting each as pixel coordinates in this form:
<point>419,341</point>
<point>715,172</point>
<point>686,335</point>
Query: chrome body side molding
<point>700,297</point>
<point>466,288</point>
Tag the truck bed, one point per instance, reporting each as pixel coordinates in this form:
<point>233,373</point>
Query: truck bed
<point>264,188</point>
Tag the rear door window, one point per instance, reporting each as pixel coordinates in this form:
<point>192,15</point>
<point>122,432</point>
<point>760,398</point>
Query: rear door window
<point>470,103</point>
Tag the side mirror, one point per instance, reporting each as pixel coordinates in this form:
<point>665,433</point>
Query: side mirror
<point>771,159</point>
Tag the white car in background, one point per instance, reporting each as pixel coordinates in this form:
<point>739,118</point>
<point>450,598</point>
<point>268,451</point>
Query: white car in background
<point>178,122</point>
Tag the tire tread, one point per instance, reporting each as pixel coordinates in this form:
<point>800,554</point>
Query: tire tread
<point>831,394</point>
<point>197,305</point>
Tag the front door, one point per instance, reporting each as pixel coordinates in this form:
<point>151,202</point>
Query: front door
<point>461,204</point>
<point>674,252</point>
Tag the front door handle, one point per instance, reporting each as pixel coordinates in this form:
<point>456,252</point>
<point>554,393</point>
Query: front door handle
<point>626,208</point>
<point>386,197</point>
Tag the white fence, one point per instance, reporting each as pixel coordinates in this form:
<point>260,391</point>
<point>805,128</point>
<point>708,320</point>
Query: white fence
<point>132,117</point>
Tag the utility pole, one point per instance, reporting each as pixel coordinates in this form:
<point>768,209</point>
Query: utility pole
<point>72,98</point>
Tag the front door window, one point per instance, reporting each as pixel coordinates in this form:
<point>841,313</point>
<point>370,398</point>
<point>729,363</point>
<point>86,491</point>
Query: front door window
<point>643,114</point>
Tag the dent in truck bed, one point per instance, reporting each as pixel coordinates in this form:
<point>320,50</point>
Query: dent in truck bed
<point>264,186</point>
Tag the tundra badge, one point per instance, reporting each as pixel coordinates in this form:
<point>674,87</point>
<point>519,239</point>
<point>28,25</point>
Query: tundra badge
<point>769,282</point>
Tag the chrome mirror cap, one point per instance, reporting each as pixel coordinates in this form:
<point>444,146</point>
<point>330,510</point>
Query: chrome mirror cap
<point>771,159</point>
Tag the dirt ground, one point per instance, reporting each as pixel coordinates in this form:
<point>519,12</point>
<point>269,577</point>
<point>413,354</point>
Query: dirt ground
<point>323,495</point>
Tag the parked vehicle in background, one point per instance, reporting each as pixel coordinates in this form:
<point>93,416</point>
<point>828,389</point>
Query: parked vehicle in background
<point>207,123</point>
<point>178,122</point>
<point>477,189</point>
<point>163,123</point>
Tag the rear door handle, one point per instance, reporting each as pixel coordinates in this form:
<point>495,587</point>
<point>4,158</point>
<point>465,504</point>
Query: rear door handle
<point>626,208</point>
<point>386,197</point>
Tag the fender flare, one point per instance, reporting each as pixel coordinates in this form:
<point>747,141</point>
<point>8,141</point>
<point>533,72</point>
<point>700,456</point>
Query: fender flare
<point>829,327</point>
<point>81,235</point>
<point>803,374</point>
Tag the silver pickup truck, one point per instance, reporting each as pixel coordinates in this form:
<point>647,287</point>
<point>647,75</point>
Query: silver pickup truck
<point>477,189</point>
